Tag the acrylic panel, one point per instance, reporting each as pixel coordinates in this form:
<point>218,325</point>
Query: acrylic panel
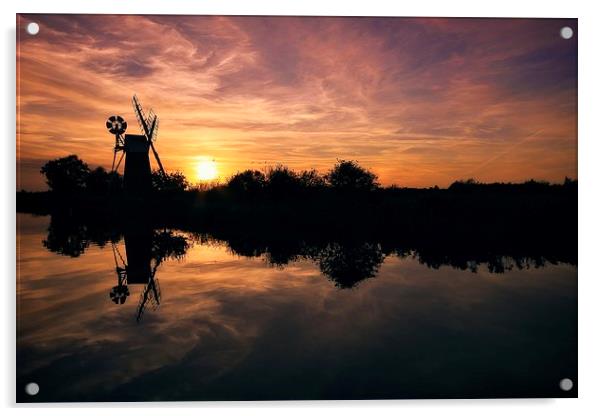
<point>292,208</point>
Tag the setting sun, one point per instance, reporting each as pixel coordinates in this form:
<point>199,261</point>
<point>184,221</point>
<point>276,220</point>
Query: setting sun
<point>206,170</point>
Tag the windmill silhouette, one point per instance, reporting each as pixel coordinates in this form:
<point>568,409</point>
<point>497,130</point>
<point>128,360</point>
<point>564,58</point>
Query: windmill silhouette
<point>135,148</point>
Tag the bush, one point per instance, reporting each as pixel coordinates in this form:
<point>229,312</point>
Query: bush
<point>248,181</point>
<point>101,182</point>
<point>463,185</point>
<point>281,180</point>
<point>348,175</point>
<point>311,179</point>
<point>175,181</point>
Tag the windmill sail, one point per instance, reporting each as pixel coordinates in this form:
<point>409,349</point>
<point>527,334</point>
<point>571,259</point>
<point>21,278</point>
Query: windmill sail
<point>149,126</point>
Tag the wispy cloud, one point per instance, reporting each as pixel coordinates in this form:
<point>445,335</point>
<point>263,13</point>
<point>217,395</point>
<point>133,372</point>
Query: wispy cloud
<point>420,101</point>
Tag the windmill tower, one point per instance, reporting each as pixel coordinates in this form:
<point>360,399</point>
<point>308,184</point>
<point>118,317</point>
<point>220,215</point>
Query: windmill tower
<point>135,149</point>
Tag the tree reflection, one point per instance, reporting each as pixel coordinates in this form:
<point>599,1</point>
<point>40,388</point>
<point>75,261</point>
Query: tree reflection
<point>474,260</point>
<point>69,236</point>
<point>344,261</point>
<point>348,264</point>
<point>66,238</point>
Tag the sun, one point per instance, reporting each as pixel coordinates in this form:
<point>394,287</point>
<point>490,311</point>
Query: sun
<point>206,170</point>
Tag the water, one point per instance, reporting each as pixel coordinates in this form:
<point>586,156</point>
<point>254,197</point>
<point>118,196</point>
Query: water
<point>330,322</point>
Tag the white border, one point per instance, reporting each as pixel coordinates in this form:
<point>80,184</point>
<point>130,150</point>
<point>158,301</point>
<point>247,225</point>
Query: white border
<point>590,186</point>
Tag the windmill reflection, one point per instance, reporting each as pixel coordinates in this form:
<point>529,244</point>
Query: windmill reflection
<point>145,250</point>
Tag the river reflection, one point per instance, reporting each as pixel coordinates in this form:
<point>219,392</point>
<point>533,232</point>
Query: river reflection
<point>240,318</point>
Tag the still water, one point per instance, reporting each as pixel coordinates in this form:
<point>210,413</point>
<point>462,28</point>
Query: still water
<point>188,317</point>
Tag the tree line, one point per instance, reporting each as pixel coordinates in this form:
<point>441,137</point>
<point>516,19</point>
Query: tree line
<point>70,174</point>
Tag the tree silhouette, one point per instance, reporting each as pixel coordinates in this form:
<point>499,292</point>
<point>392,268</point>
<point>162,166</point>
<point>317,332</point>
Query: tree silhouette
<point>248,181</point>
<point>348,175</point>
<point>281,180</point>
<point>100,182</point>
<point>463,184</point>
<point>175,181</point>
<point>66,174</point>
<point>311,179</point>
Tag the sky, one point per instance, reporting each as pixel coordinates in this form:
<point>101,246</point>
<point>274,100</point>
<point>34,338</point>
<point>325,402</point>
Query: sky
<point>419,101</point>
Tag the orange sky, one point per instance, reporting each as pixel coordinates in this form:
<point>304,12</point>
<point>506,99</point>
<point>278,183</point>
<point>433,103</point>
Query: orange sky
<point>421,102</point>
